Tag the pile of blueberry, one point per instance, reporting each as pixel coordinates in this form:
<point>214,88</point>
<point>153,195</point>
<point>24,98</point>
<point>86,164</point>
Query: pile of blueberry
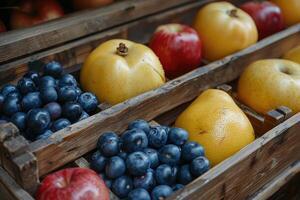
<point>40,105</point>
<point>148,162</point>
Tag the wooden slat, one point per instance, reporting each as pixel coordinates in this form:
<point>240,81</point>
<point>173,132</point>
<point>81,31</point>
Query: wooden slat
<point>243,174</point>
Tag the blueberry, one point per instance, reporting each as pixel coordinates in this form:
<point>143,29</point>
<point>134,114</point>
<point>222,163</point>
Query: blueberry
<point>19,119</point>
<point>146,181</point>
<point>122,186</point>
<point>139,124</point>
<point>157,137</point>
<point>109,144</point>
<point>139,194</point>
<point>134,140</point>
<point>169,154</point>
<point>88,101</point>
<point>54,110</point>
<point>60,124</point>
<point>137,163</point>
<point>177,187</point>
<point>8,88</point>
<point>153,157</point>
<point>11,106</point>
<point>15,94</point>
<point>78,91</point>
<point>48,94</point>
<point>34,76</point>
<point>72,111</point>
<point>184,175</point>
<point>108,182</point>
<point>98,161</point>
<point>191,150</point>
<point>83,116</point>
<point>67,93</point>
<point>30,101</point>
<point>38,120</point>
<point>123,155</point>
<point>67,80</point>
<point>1,102</point>
<point>46,82</point>
<point>165,174</point>
<point>177,136</point>
<point>45,135</point>
<point>115,167</point>
<point>161,192</point>
<point>199,166</point>
<point>26,85</point>
<point>53,69</point>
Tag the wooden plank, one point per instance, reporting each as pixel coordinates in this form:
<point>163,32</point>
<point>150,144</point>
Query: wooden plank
<point>18,43</point>
<point>243,174</point>
<point>10,190</point>
<point>69,144</point>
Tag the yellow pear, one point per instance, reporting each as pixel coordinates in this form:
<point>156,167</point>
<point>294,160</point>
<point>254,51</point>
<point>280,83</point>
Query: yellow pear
<point>216,122</point>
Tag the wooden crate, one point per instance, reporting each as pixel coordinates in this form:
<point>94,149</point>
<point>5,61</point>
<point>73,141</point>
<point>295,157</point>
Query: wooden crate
<point>258,163</point>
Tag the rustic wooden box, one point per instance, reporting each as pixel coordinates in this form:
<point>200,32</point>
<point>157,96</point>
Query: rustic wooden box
<point>240,176</point>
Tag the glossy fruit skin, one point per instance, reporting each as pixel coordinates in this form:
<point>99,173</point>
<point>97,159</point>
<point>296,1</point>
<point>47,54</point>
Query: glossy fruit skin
<point>53,69</point>
<point>267,17</point>
<point>115,167</point>
<point>67,94</point>
<point>32,12</point>
<point>161,192</point>
<point>184,175</point>
<point>8,88</point>
<point>199,166</point>
<point>44,135</point>
<point>26,85</point>
<point>177,136</point>
<point>88,4</point>
<point>130,78</point>
<point>139,124</point>
<point>73,183</point>
<point>273,82</point>
<point>38,120</point>
<point>1,102</point>
<point>146,181</point>
<point>54,110</point>
<point>98,161</point>
<point>165,174</point>
<point>223,132</point>
<point>11,106</point>
<point>137,163</point>
<point>48,94</point>
<point>169,154</point>
<point>177,187</point>
<point>30,101</point>
<point>290,10</point>
<point>47,81</point>
<point>83,116</point>
<point>60,124</point>
<point>191,150</point>
<point>139,194</point>
<point>72,111</point>
<point>293,55</point>
<point>178,47</point>
<point>67,80</point>
<point>34,76</point>
<point>109,144</point>
<point>153,157</point>
<point>15,94</point>
<point>122,186</point>
<point>19,119</point>
<point>224,29</point>
<point>157,137</point>
<point>134,140</point>
<point>88,101</point>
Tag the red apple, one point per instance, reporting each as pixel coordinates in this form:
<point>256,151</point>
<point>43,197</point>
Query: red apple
<point>73,184</point>
<point>32,12</point>
<point>267,16</point>
<point>86,4</point>
<point>2,27</point>
<point>178,47</point>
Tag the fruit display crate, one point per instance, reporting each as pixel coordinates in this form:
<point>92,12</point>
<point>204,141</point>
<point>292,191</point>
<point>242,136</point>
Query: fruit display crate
<point>14,44</point>
<point>272,155</point>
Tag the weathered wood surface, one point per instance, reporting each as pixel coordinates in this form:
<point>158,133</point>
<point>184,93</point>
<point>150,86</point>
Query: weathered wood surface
<point>17,43</point>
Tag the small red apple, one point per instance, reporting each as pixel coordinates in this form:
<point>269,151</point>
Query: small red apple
<point>73,184</point>
<point>2,27</point>
<point>267,16</point>
<point>178,47</point>
<point>86,4</point>
<point>32,12</point>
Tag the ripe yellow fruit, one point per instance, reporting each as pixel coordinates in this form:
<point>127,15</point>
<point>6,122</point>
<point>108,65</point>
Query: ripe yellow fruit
<point>217,123</point>
<point>290,10</point>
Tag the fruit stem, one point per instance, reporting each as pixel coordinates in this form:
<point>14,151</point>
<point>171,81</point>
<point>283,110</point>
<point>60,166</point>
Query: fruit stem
<point>233,13</point>
<point>122,50</point>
